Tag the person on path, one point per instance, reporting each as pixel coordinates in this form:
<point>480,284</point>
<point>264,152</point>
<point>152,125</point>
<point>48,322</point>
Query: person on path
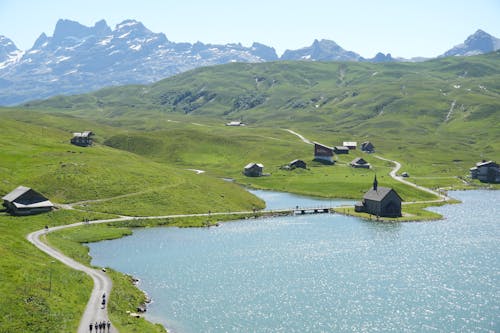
<point>109,326</point>
<point>90,327</point>
<point>96,326</point>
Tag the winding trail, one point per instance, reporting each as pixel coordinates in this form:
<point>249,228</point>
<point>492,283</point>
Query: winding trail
<point>94,311</point>
<point>400,179</point>
<point>393,174</point>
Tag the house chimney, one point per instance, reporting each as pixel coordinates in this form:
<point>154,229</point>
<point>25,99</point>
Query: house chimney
<point>375,183</point>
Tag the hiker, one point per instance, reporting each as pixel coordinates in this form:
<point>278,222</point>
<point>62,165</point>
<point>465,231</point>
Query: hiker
<point>95,326</point>
<point>109,326</point>
<point>90,327</point>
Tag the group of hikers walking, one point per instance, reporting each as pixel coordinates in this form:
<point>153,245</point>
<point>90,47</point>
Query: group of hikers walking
<point>100,326</point>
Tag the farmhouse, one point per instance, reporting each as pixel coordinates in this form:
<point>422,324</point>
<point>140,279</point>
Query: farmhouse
<point>83,139</point>
<point>380,201</point>
<point>26,201</point>
<point>297,164</point>
<point>368,147</point>
<point>340,150</point>
<point>323,153</point>
<point>486,171</point>
<point>253,170</point>
<point>359,162</point>
<point>350,144</point>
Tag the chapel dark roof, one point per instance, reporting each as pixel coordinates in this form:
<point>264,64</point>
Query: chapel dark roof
<point>377,195</point>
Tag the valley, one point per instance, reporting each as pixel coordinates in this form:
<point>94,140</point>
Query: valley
<point>436,118</point>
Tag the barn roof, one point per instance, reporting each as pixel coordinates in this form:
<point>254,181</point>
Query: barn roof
<point>16,193</point>
<point>322,145</point>
<point>358,160</point>
<point>379,194</point>
<point>249,165</point>
<point>485,163</point>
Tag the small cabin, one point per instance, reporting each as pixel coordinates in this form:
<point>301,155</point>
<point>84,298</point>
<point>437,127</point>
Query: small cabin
<point>486,171</point>
<point>323,153</point>
<point>341,150</point>
<point>26,201</point>
<point>253,170</point>
<point>350,144</point>
<point>297,164</point>
<point>359,162</point>
<point>380,201</point>
<point>235,123</point>
<point>367,147</point>
<point>83,139</point>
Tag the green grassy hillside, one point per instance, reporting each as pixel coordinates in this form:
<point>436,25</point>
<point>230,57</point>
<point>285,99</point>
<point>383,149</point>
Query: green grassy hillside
<point>437,117</point>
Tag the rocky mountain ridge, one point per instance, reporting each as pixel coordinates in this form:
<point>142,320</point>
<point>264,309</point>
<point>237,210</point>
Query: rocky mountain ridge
<point>77,58</point>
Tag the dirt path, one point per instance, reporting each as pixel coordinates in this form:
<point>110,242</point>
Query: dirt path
<point>94,312</point>
<point>400,179</point>
<point>300,136</point>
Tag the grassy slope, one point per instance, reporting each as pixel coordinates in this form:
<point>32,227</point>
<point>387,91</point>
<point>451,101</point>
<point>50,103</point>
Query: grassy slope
<point>404,108</point>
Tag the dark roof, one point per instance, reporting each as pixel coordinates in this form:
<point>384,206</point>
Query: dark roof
<point>295,161</point>
<point>358,160</point>
<point>379,194</point>
<point>35,201</point>
<point>322,145</point>
<point>16,193</point>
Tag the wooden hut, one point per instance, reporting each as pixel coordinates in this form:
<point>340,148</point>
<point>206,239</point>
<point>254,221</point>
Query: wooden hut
<point>350,144</point>
<point>323,153</point>
<point>380,201</point>
<point>359,162</point>
<point>486,171</point>
<point>83,139</point>
<point>340,150</point>
<point>367,147</point>
<point>253,170</point>
<point>26,201</point>
<point>297,164</point>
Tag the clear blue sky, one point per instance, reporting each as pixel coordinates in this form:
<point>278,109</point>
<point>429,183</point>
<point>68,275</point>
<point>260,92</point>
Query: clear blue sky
<point>404,28</point>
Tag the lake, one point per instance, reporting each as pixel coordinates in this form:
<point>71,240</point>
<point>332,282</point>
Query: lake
<point>321,273</point>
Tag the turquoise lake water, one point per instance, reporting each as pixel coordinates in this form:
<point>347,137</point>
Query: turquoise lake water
<point>321,273</point>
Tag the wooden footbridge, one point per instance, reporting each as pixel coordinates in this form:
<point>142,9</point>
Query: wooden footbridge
<point>311,210</point>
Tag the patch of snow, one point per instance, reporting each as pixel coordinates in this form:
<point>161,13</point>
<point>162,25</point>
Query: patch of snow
<point>14,57</point>
<point>127,24</point>
<point>62,58</point>
<point>306,57</point>
<point>374,73</point>
<point>71,72</point>
<point>124,35</point>
<point>34,51</point>
<point>105,41</point>
<point>115,51</point>
<point>136,47</point>
<point>456,86</point>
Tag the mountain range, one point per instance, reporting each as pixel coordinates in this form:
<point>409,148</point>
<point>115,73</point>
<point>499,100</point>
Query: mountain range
<point>77,58</point>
